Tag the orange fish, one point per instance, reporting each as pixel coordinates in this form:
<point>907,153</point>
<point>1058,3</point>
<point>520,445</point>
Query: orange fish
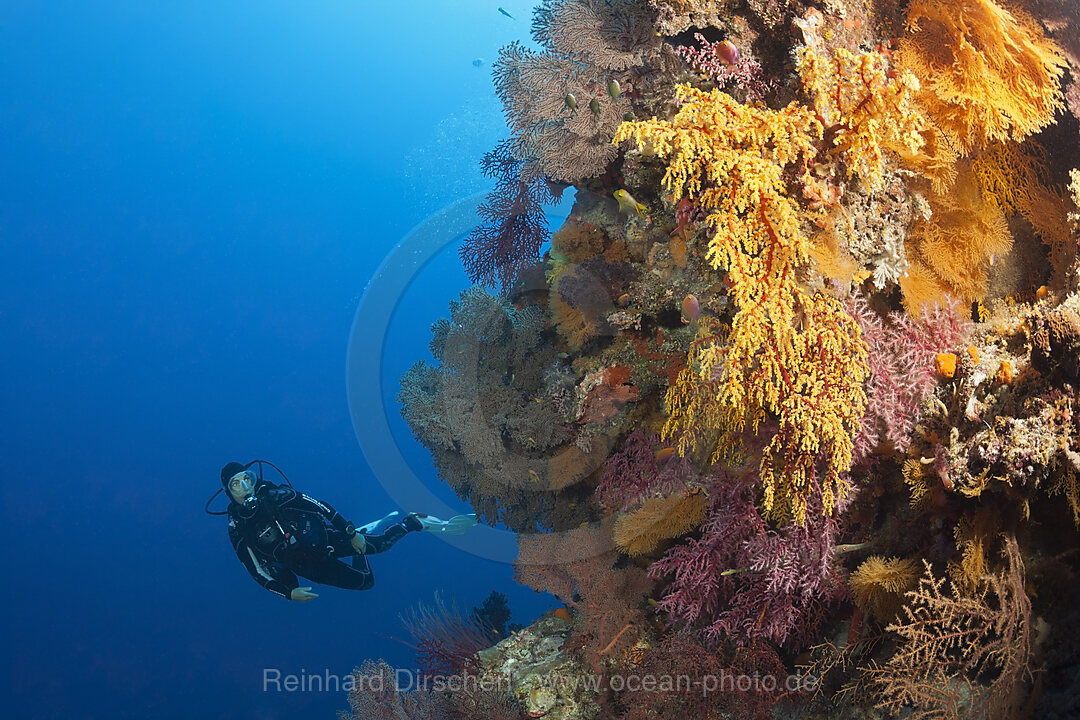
<point>691,309</point>
<point>663,454</point>
<point>726,52</point>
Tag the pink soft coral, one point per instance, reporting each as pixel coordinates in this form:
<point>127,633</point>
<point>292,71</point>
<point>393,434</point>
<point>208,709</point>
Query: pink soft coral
<point>902,373</point>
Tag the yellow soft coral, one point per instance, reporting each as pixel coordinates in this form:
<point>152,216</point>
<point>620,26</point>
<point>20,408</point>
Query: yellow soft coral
<point>863,105</point>
<point>789,354</point>
<point>951,251</point>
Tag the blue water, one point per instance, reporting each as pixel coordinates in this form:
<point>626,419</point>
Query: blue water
<point>193,197</point>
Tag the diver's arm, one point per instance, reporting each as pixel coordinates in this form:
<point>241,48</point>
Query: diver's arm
<point>277,580</point>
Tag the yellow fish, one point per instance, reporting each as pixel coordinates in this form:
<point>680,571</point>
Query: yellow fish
<point>628,204</point>
<point>533,477</point>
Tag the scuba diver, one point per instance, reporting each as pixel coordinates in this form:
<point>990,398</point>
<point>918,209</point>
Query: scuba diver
<point>279,533</point>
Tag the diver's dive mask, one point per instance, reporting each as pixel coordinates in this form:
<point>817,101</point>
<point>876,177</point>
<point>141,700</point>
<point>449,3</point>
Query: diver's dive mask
<point>242,484</point>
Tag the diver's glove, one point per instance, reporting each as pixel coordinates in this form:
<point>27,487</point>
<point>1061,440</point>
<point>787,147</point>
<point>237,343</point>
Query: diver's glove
<point>302,594</point>
<point>456,525</point>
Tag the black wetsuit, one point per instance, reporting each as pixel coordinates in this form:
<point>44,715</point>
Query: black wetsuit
<point>282,533</point>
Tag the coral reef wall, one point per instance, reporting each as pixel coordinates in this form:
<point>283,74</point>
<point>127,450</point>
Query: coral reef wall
<point>792,393</point>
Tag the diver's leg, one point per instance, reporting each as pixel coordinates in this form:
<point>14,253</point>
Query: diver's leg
<point>388,534</point>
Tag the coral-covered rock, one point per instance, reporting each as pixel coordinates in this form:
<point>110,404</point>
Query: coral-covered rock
<point>544,676</point>
<point>1056,342</point>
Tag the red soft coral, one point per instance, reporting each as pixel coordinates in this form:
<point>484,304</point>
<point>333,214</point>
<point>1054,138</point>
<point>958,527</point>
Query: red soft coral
<point>605,392</point>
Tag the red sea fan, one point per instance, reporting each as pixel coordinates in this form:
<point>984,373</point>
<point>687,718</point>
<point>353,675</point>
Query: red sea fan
<point>514,225</point>
<point>446,641</point>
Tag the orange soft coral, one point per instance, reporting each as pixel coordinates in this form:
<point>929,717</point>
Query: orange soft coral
<point>986,73</point>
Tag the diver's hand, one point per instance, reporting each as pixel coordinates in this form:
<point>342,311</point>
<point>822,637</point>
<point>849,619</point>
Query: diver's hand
<point>302,595</point>
<point>359,544</point>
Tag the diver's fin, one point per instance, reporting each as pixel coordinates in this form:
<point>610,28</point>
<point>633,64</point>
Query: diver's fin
<point>456,525</point>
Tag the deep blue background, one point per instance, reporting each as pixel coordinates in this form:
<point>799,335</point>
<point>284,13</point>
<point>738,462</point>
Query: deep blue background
<point>192,198</point>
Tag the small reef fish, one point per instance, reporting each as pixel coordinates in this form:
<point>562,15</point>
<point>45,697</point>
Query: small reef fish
<point>613,89</point>
<point>691,309</point>
<point>663,455</point>
<point>477,62</point>
<point>594,105</point>
<point>533,477</point>
<point>624,300</point>
<point>571,101</point>
<point>506,13</point>
<point>726,52</point>
<point>628,204</point>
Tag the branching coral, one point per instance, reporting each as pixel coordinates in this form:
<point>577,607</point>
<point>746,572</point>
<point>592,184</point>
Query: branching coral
<point>949,642</point>
<point>792,354</point>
